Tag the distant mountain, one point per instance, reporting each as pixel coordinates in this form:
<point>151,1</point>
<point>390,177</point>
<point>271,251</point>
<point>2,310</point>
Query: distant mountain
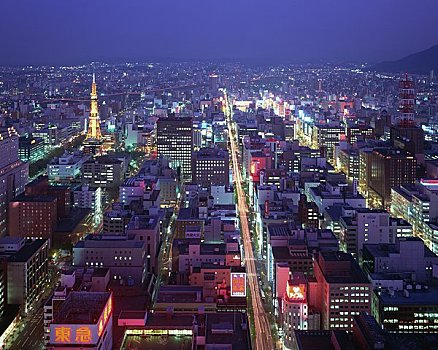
<point>418,63</point>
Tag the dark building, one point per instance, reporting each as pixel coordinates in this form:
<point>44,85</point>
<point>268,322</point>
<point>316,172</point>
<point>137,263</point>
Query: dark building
<point>412,310</point>
<point>211,166</point>
<point>390,168</point>
<point>175,142</point>
<point>63,194</point>
<point>381,122</point>
<point>33,216</point>
<point>31,149</point>
<point>308,213</point>
<point>355,133</point>
<point>367,334</point>
<point>410,139</point>
<point>318,340</point>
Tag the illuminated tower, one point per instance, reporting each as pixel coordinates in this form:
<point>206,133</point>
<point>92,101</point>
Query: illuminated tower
<point>406,102</point>
<point>93,121</point>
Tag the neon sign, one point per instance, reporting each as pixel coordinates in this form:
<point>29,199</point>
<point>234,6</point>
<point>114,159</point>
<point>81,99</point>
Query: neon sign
<point>238,284</point>
<point>296,292</point>
<point>73,334</point>
<point>79,333</point>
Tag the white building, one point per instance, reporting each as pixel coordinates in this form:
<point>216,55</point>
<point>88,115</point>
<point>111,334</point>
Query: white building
<point>66,167</point>
<point>89,198</point>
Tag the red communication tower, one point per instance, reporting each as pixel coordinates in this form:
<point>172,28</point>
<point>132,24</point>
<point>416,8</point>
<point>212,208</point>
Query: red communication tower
<point>407,102</point>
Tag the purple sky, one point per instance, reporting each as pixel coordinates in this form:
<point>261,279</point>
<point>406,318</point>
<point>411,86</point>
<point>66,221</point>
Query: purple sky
<point>79,31</point>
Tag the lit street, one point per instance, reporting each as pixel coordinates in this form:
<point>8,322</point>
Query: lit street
<point>263,337</point>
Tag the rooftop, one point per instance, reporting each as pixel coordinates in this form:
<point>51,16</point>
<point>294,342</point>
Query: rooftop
<point>28,250</point>
<point>82,308</point>
<point>423,296</point>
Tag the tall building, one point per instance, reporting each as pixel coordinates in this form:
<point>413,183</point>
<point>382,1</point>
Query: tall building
<point>33,216</point>
<point>418,205</point>
<point>412,310</point>
<point>175,142</point>
<point>211,166</point>
<point>31,149</point>
<point>390,168</point>
<point>14,174</point>
<point>343,290</point>
<point>27,270</point>
<point>66,168</point>
<point>104,172</point>
<point>409,138</point>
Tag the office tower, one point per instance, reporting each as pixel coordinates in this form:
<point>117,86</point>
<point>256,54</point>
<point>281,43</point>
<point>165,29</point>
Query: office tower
<point>409,138</point>
<point>408,258</point>
<point>66,168</point>
<point>33,216</point>
<point>14,174</point>
<point>418,204</point>
<point>390,168</point>
<point>210,166</point>
<point>27,270</point>
<point>325,137</point>
<point>213,82</point>
<point>31,149</point>
<point>175,142</point>
<point>124,256</point>
<point>308,213</point>
<point>365,226</point>
<point>343,290</point>
<point>105,172</point>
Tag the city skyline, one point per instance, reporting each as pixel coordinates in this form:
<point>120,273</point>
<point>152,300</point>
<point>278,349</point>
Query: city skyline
<point>240,175</point>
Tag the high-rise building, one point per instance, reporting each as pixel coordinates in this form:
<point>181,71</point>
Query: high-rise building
<point>33,216</point>
<point>14,174</point>
<point>105,172</point>
<point>31,149</point>
<point>27,270</point>
<point>175,142</point>
<point>343,290</point>
<point>410,139</point>
<point>390,168</point>
<point>213,82</point>
<point>210,166</point>
<point>418,205</point>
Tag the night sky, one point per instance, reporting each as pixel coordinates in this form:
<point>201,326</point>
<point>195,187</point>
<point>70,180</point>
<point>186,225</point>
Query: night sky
<point>79,31</point>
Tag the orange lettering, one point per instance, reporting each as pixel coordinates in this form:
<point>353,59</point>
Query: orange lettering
<point>62,334</point>
<point>83,335</point>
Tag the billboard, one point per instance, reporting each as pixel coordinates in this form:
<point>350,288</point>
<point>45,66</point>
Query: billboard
<point>238,284</point>
<point>77,334</point>
<point>296,292</point>
<point>73,334</point>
